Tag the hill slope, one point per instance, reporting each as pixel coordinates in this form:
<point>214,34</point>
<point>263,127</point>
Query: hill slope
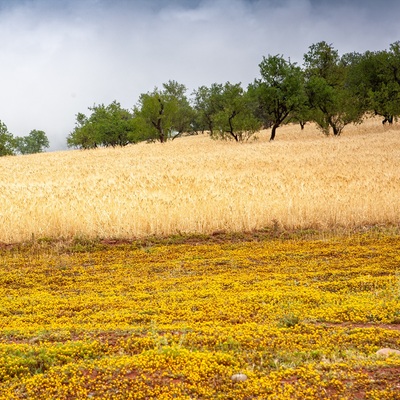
<point>194,184</point>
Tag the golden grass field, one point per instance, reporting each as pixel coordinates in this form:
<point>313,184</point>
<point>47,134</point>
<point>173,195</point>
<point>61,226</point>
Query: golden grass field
<point>197,185</point>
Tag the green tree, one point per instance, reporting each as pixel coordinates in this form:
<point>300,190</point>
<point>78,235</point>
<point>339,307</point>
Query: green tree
<point>355,79</point>
<point>375,78</point>
<point>184,114</point>
<point>279,94</point>
<point>35,142</point>
<point>7,141</point>
<point>207,102</point>
<point>235,120</point>
<point>106,126</point>
<point>83,136</point>
<point>333,103</point>
<point>163,114</point>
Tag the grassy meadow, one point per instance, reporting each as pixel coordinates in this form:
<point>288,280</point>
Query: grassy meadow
<point>196,185</point>
<point>163,271</point>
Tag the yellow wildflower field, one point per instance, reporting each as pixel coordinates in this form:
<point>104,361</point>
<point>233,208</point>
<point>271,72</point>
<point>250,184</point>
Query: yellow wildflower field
<point>301,318</point>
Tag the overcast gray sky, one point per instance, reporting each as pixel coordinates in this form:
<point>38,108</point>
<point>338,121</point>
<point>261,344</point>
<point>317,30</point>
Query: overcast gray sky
<point>58,57</point>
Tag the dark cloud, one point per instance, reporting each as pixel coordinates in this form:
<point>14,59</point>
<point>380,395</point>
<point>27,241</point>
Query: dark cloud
<point>59,57</point>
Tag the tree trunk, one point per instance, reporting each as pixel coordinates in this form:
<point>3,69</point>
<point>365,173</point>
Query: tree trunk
<point>335,126</point>
<point>161,135</point>
<point>273,132</point>
<point>337,130</point>
<point>277,124</point>
<point>159,122</point>
<point>388,118</point>
<point>231,131</point>
<point>210,125</point>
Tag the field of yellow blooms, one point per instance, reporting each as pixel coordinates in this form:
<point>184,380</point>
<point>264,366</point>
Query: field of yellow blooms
<point>176,318</point>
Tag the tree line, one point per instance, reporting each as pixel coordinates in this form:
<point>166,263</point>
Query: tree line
<point>330,90</point>
<point>35,142</point>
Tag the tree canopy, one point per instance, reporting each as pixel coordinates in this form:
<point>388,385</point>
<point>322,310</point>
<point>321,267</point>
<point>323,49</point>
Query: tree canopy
<point>35,142</point>
<point>234,119</point>
<point>333,104</point>
<point>328,89</point>
<point>163,114</point>
<point>375,78</point>
<point>106,126</point>
<point>280,93</point>
<point>7,142</point>
<point>207,102</point>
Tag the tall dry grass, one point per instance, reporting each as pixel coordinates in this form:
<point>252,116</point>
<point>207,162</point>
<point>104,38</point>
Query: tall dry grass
<point>194,184</point>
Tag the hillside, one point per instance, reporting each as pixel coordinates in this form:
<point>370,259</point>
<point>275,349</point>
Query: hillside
<point>197,185</point>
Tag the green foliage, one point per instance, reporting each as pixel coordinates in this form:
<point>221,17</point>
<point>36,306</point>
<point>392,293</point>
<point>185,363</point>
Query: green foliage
<point>7,141</point>
<point>106,126</point>
<point>233,118</point>
<point>83,136</point>
<point>35,142</point>
<point>163,114</point>
<point>183,114</point>
<point>330,90</point>
<point>332,102</point>
<point>322,61</point>
<point>279,94</point>
<point>288,320</point>
<point>375,78</point>
<point>207,103</point>
<point>225,111</point>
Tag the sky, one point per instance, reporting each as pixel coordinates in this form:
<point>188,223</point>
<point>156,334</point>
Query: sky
<point>59,57</point>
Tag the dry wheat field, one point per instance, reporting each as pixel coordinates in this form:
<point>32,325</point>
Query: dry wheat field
<point>197,185</point>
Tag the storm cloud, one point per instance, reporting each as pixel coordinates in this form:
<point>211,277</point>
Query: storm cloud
<point>58,58</point>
